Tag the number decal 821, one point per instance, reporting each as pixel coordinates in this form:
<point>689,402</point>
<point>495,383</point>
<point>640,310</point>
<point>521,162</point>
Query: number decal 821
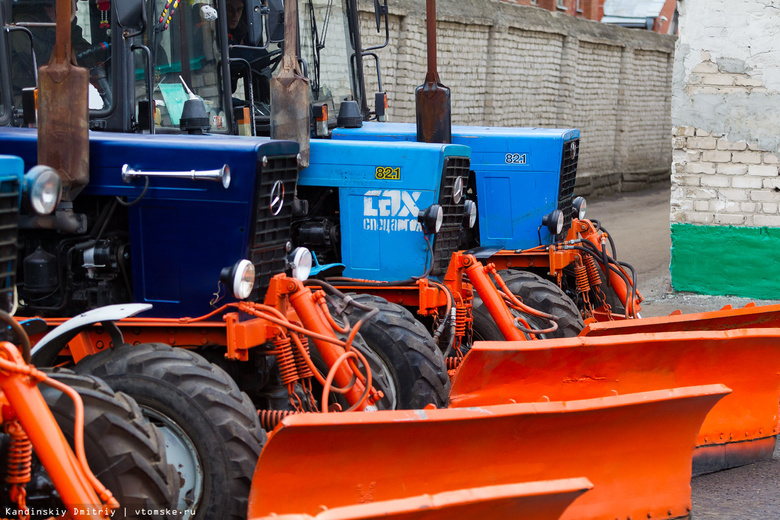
<point>515,158</point>
<point>388,173</point>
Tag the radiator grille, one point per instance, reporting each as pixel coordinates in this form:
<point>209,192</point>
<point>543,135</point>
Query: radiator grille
<point>447,240</point>
<point>9,226</point>
<point>571,154</point>
<point>271,231</point>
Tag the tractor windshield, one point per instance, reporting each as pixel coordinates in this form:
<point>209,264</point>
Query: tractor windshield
<point>183,41</point>
<point>326,58</point>
<point>90,36</point>
<point>327,50</point>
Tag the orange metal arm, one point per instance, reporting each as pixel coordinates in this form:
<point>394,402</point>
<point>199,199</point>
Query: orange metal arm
<point>305,306</point>
<point>490,296</point>
<point>50,445</point>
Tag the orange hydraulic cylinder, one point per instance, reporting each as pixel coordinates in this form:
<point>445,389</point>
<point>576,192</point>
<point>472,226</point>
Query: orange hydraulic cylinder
<point>49,443</point>
<point>311,317</point>
<point>492,299</point>
<point>747,361</point>
<point>635,449</point>
<point>750,316</point>
<point>546,500</point>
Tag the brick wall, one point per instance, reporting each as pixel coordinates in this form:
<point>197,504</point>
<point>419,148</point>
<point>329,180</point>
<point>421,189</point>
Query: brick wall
<point>725,168</point>
<point>725,205</point>
<point>512,65</point>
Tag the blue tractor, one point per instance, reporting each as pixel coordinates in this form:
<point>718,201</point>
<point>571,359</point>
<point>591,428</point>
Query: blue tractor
<point>176,213</point>
<point>522,181</point>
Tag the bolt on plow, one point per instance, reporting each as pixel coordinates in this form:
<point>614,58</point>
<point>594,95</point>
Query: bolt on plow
<point>741,429</point>
<point>635,449</point>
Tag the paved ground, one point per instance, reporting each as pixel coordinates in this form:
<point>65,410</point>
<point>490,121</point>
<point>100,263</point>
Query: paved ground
<point>639,222</point>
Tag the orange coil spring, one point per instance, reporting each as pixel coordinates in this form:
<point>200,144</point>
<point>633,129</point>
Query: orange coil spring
<point>593,271</point>
<point>453,362</point>
<point>286,358</point>
<point>269,419</point>
<point>303,368</point>
<point>581,276</point>
<point>19,454</point>
<point>461,319</point>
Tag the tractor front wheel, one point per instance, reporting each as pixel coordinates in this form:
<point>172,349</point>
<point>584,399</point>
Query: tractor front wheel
<point>538,293</point>
<point>124,451</point>
<point>407,356</point>
<point>210,427</point>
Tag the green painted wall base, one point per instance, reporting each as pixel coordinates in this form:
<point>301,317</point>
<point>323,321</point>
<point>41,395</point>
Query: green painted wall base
<point>726,260</point>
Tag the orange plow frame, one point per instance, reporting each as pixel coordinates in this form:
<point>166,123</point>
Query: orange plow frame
<point>635,449</point>
<point>739,430</point>
<point>750,316</point>
<point>545,500</point>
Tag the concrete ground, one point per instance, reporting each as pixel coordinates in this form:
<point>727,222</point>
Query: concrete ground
<point>639,223</point>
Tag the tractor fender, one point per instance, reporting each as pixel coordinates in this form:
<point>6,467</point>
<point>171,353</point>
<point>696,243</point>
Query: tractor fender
<point>58,338</point>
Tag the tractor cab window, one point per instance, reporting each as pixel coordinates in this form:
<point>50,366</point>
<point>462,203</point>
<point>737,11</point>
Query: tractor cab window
<point>90,37</point>
<point>183,41</point>
<point>326,48</point>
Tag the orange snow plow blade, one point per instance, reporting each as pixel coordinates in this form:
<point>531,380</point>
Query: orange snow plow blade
<point>545,500</point>
<point>741,429</point>
<point>748,317</point>
<point>635,449</point>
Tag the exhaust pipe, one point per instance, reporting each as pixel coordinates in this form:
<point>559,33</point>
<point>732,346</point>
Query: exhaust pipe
<point>63,111</point>
<point>432,99</point>
<point>290,111</point>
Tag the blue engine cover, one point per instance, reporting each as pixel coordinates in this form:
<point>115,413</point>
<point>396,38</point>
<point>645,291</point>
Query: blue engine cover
<point>381,188</point>
<point>12,168</point>
<point>517,173</point>
<point>183,231</point>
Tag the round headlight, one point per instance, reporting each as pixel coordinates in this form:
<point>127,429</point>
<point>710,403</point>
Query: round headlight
<point>554,222</point>
<point>431,218</point>
<point>470,212</point>
<point>579,206</point>
<point>300,263</point>
<point>43,187</point>
<point>457,190</point>
<point>240,277</point>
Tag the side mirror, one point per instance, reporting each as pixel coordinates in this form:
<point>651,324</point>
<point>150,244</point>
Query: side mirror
<point>380,11</point>
<point>130,14</point>
<point>275,21</point>
<point>255,12</point>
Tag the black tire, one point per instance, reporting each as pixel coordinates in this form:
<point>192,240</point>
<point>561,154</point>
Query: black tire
<point>414,364</point>
<point>124,451</point>
<point>538,293</point>
<point>202,413</point>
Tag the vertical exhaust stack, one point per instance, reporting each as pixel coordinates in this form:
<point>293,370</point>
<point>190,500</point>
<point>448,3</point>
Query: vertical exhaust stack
<point>432,99</point>
<point>290,111</point>
<point>63,111</point>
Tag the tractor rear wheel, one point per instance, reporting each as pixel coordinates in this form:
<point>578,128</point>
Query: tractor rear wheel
<point>124,451</point>
<point>413,366</point>
<point>210,427</point>
<point>537,293</point>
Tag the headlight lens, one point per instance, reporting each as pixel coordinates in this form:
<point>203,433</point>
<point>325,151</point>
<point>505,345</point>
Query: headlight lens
<point>579,207</point>
<point>457,190</point>
<point>470,211</point>
<point>431,218</point>
<point>554,222</point>
<point>300,263</point>
<point>43,187</point>
<point>240,277</point>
